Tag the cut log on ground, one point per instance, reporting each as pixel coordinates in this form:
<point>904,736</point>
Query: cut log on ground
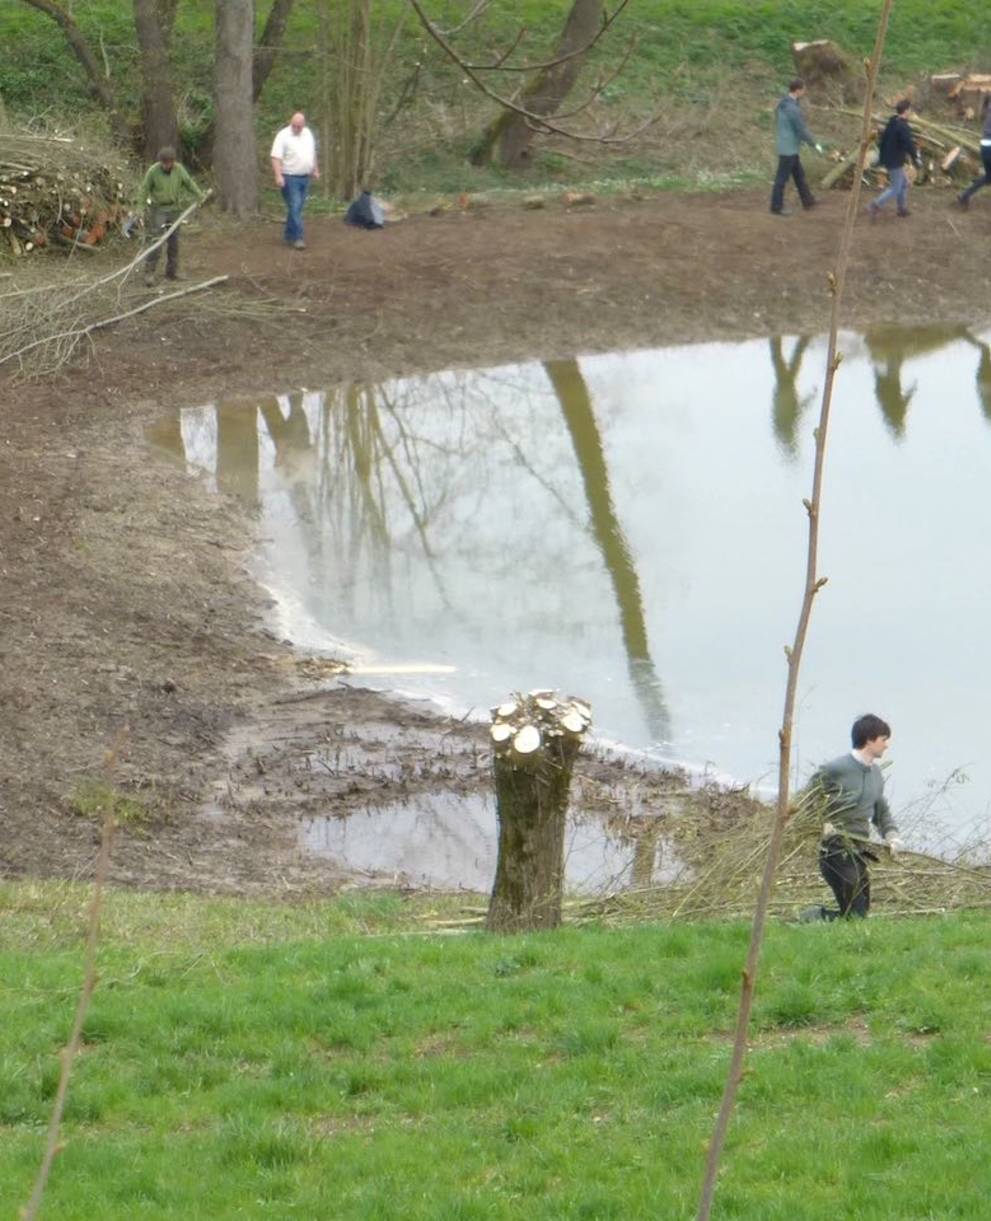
<point>54,191</point>
<point>535,741</point>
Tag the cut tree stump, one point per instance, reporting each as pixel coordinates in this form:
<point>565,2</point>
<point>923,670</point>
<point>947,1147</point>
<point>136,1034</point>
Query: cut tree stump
<point>535,741</point>
<point>827,71</point>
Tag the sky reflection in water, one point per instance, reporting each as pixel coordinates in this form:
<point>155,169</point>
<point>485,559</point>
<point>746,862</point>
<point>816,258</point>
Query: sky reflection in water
<point>629,528</point>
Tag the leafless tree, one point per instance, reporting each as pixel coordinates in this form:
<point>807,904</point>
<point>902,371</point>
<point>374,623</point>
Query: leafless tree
<point>97,81</point>
<point>537,107</point>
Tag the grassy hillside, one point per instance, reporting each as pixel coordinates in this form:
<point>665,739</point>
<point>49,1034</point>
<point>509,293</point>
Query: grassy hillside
<point>710,67</point>
<point>243,1061</point>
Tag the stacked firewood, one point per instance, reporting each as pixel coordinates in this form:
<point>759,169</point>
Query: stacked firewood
<point>950,155</point>
<point>52,191</point>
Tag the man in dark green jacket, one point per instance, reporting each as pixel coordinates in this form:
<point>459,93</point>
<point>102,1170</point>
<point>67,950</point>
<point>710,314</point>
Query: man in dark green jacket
<point>165,191</point>
<point>791,133</point>
<point>851,792</point>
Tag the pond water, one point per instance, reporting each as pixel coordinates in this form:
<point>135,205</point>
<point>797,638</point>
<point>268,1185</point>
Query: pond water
<point>629,528</point>
<point>449,841</point>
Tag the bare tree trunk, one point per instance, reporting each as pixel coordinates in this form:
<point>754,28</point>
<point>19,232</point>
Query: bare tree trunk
<point>99,86</point>
<point>158,113</point>
<point>235,159</point>
<point>269,45</point>
<point>536,740</point>
<point>508,138</point>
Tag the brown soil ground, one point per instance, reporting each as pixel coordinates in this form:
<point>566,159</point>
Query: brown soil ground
<point>126,596</point>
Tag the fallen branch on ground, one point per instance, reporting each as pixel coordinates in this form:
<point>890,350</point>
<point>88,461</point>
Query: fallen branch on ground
<point>66,342</point>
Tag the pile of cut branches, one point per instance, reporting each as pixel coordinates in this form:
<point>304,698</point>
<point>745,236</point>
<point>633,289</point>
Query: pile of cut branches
<point>44,325</point>
<point>721,865</point>
<point>950,154</point>
<point>53,191</point>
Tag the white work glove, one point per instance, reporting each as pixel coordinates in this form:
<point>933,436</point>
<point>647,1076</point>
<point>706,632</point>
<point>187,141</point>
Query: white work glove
<point>828,830</point>
<point>894,844</point>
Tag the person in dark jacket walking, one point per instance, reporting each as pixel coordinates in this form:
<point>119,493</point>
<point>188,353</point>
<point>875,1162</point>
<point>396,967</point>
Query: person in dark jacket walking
<point>791,133</point>
<point>964,199</point>
<point>896,146</point>
<point>851,792</point>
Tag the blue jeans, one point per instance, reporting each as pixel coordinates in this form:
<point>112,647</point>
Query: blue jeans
<point>294,192</point>
<point>897,189</point>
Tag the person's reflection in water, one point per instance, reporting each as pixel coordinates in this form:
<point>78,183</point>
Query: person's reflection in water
<point>786,406</point>
<point>892,399</point>
<point>984,379</point>
<point>290,435</point>
<point>890,347</point>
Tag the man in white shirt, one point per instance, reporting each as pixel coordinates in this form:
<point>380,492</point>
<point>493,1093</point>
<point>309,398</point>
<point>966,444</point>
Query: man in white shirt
<point>294,163</point>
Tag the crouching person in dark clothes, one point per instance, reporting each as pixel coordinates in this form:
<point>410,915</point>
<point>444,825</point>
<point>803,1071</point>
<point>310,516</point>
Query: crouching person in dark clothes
<point>165,190</point>
<point>851,790</point>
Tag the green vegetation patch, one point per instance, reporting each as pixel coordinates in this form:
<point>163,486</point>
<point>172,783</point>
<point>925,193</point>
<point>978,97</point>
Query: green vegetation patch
<point>572,1075</point>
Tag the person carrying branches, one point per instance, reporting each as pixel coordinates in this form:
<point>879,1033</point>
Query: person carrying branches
<point>163,190</point>
<point>850,790</point>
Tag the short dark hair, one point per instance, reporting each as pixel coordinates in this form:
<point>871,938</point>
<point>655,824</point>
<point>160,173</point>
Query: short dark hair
<point>796,84</point>
<point>167,153</point>
<point>903,105</point>
<point>866,728</point>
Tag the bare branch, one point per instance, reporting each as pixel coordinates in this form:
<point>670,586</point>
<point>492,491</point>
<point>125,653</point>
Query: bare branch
<point>836,281</point>
<point>501,65</point>
<point>73,337</point>
<point>536,121</point>
<point>475,13</point>
<point>99,86</point>
<point>69,1052</point>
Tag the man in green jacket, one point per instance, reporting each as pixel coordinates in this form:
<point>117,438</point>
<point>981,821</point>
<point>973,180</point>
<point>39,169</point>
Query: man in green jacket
<point>851,791</point>
<point>791,133</point>
<point>165,191</point>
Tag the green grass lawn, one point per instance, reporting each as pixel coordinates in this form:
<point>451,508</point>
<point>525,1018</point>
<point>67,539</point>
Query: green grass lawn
<point>243,1061</point>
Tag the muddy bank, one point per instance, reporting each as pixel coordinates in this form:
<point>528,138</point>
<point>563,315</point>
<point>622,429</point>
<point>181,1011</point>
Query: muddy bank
<point>127,597</point>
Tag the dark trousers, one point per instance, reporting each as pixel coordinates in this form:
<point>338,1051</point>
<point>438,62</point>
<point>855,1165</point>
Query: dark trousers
<point>976,185</point>
<point>790,167</point>
<point>157,220</point>
<point>847,876</point>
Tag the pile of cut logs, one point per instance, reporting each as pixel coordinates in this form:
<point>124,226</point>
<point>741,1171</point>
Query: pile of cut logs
<point>951,155</point>
<point>52,192</point>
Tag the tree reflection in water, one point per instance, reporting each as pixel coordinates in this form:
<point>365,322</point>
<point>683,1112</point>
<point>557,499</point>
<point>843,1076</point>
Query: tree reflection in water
<point>579,416</point>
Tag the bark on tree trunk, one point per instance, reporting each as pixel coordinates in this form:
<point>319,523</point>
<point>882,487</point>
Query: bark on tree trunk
<point>99,86</point>
<point>535,739</point>
<point>269,45</point>
<point>235,161</point>
<point>158,113</point>
<point>508,138</point>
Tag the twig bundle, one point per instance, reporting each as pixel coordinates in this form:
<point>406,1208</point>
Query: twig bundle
<point>43,327</point>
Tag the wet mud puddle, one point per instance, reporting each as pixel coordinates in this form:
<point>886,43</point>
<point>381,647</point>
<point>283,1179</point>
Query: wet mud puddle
<point>629,528</point>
